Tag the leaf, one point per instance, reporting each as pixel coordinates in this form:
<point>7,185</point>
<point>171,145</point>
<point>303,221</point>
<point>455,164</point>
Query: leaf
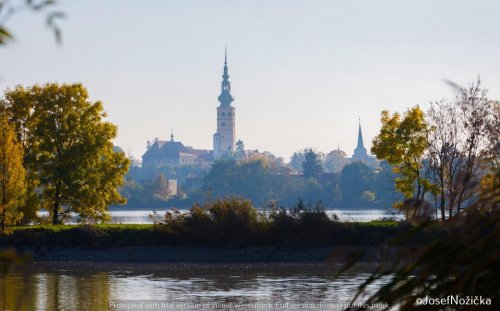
<point>5,35</point>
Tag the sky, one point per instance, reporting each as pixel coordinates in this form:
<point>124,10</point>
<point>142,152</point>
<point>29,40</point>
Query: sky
<point>302,72</point>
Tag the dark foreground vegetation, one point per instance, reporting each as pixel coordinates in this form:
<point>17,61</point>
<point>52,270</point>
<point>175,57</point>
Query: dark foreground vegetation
<point>463,263</point>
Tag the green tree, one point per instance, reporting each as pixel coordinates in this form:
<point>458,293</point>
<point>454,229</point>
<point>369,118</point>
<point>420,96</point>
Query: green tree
<point>71,149</point>
<point>250,178</point>
<point>12,176</point>
<point>402,142</point>
<point>312,165</point>
<point>355,179</point>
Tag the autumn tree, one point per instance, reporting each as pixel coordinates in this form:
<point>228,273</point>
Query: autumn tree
<point>477,114</point>
<point>71,149</point>
<point>402,142</point>
<point>463,145</point>
<point>18,106</point>
<point>12,176</point>
<point>444,153</point>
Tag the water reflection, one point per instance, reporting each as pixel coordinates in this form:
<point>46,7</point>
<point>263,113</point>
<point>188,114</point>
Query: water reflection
<point>54,291</point>
<point>81,289</point>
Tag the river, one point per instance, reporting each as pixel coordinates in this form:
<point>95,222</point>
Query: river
<point>142,216</point>
<point>122,286</point>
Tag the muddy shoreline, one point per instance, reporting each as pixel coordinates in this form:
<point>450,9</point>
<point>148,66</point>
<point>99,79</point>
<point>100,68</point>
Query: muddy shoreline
<point>196,254</point>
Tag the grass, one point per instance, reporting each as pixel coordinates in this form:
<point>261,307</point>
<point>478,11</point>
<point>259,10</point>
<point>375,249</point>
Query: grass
<point>107,235</point>
<point>56,228</point>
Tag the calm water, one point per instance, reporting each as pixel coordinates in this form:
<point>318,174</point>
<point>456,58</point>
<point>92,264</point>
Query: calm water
<point>177,287</point>
<point>142,216</point>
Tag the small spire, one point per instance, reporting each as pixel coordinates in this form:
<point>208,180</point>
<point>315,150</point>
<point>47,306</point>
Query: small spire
<point>225,98</point>
<point>172,134</point>
<point>360,136</point>
<point>225,55</point>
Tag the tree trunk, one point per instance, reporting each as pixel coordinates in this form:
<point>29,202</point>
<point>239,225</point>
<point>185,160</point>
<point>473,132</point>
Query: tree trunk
<point>55,214</point>
<point>442,207</point>
<point>2,222</point>
<point>55,211</point>
<point>418,189</point>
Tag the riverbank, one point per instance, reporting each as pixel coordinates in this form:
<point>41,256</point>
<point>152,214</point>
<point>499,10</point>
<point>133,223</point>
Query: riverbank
<point>206,255</point>
<point>121,235</point>
<point>157,243</point>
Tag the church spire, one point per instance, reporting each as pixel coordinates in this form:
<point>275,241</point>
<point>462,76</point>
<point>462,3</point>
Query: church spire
<point>360,136</point>
<point>225,97</point>
<point>360,153</point>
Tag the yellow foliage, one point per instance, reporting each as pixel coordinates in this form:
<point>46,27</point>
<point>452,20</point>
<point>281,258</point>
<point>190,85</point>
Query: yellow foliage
<point>12,176</point>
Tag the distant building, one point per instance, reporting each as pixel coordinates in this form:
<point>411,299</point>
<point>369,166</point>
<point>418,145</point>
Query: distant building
<point>194,181</point>
<point>224,139</point>
<point>174,154</point>
<point>172,187</point>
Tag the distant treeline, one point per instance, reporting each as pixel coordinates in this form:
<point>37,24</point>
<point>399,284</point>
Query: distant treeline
<point>259,180</point>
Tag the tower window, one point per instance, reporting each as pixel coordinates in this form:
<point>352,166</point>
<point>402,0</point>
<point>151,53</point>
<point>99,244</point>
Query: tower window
<point>223,124</point>
<point>228,114</point>
<point>223,114</point>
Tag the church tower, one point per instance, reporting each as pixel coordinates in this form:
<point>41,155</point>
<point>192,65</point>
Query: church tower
<point>225,138</point>
<point>360,152</point>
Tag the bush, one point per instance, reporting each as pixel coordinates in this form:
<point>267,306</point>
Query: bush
<point>303,224</point>
<point>235,221</point>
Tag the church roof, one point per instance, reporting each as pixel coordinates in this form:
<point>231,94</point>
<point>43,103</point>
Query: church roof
<point>169,149</point>
<point>176,149</point>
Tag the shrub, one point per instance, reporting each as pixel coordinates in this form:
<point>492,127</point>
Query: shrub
<point>235,221</point>
<point>303,224</point>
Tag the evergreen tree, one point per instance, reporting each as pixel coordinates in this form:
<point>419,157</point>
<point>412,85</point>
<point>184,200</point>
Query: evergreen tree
<point>296,160</point>
<point>312,165</point>
<point>240,146</point>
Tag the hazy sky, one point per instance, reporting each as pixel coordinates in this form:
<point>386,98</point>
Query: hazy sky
<point>301,71</point>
